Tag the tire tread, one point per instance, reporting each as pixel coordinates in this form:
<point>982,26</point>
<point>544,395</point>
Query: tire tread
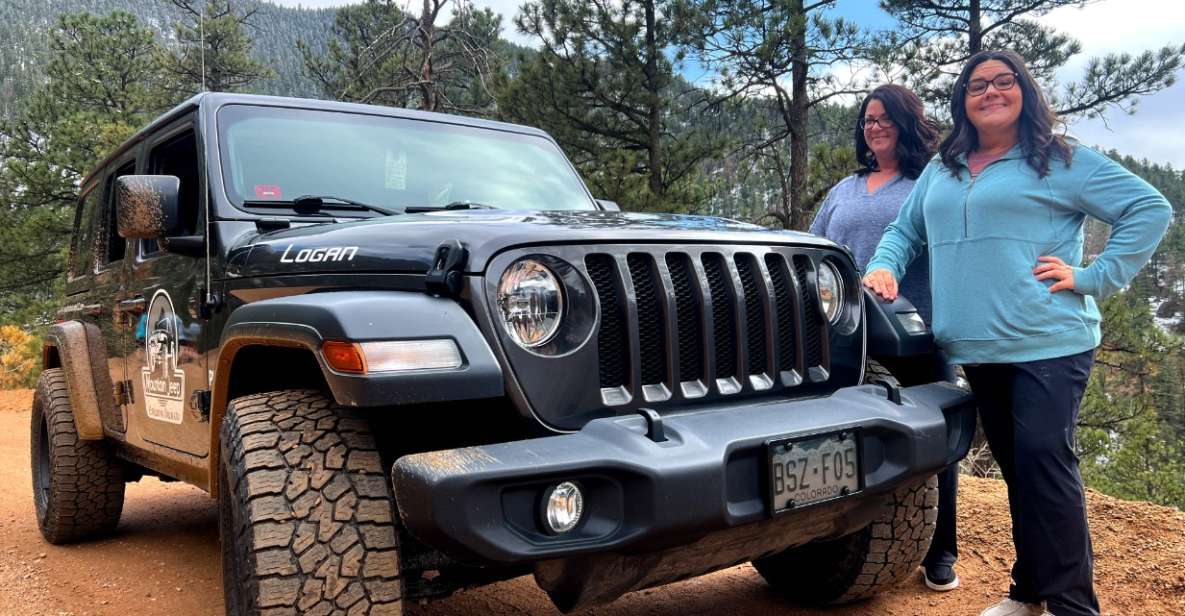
<point>300,539</point>
<point>868,562</point>
<point>86,479</point>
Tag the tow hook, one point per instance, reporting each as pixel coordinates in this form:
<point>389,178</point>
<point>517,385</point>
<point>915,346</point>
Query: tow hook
<point>892,391</point>
<point>654,428</point>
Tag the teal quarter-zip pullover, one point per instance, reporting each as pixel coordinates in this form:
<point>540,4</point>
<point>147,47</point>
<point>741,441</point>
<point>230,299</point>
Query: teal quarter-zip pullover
<point>984,236</point>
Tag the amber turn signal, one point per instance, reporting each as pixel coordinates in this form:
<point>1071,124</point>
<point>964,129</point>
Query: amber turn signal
<point>344,356</point>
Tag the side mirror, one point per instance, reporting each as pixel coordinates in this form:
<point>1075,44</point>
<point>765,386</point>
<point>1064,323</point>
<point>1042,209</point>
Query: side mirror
<point>608,206</point>
<point>147,207</point>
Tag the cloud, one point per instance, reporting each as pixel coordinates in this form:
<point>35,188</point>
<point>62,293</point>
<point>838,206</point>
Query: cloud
<point>1157,130</point>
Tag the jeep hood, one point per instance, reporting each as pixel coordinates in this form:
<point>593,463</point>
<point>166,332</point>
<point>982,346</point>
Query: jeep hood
<point>407,243</point>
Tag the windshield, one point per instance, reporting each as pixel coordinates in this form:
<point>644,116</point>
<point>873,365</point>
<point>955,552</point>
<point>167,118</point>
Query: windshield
<point>276,155</point>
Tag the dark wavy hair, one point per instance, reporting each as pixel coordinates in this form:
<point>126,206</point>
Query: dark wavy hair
<point>916,135</point>
<point>1037,141</point>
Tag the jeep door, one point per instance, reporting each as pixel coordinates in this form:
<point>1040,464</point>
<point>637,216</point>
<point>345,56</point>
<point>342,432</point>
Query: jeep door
<point>167,355</point>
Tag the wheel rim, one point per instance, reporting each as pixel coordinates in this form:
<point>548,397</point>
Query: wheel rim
<point>43,480</point>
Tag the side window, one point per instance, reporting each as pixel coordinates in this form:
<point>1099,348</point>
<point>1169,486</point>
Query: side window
<point>82,249</point>
<point>115,245</point>
<point>179,157</point>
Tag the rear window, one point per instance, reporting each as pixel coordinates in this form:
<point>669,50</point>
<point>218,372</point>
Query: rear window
<point>82,249</point>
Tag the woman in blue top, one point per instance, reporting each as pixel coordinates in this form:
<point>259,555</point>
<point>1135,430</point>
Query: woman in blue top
<point>894,141</point>
<point>1001,214</point>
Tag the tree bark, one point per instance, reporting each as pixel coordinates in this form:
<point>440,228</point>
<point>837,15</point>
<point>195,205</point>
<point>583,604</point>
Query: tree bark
<point>799,105</point>
<point>653,105</point>
<point>428,32</point>
<point>974,29</point>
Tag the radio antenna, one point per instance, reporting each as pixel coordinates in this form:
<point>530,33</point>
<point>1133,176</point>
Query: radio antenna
<point>202,44</point>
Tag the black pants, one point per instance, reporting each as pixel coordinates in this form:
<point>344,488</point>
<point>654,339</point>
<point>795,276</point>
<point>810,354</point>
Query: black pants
<point>1029,411</point>
<point>944,548</point>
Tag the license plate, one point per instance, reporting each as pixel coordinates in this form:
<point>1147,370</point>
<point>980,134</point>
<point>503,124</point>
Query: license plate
<point>810,470</point>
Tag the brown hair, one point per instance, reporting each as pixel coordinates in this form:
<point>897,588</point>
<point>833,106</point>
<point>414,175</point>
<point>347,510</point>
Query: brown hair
<point>916,135</point>
<point>1037,141</point>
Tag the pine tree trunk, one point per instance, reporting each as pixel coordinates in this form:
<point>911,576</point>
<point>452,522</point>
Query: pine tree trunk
<point>974,29</point>
<point>428,32</point>
<point>654,106</point>
<point>798,122</point>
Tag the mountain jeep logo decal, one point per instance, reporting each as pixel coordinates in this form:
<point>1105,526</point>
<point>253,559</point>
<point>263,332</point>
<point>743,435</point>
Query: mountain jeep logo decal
<point>164,384</point>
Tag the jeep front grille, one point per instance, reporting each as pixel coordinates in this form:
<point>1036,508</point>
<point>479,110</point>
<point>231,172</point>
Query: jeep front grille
<point>612,364</point>
<point>707,322</point>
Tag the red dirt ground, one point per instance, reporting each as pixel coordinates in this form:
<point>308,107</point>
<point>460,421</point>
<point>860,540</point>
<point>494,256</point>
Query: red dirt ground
<point>164,559</point>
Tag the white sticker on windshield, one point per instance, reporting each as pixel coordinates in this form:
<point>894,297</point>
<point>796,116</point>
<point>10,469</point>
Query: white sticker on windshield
<point>395,171</point>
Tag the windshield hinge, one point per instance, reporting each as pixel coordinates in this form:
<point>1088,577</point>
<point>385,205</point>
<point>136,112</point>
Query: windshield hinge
<point>448,266</point>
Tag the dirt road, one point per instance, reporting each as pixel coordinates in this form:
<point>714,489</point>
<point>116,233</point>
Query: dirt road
<point>164,560</point>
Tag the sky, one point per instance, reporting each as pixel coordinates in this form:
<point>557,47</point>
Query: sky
<point>1155,132</point>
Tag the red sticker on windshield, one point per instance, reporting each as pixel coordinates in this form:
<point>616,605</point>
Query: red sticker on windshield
<point>267,191</point>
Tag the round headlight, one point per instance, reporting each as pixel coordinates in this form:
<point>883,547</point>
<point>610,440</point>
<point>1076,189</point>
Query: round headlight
<point>830,291</point>
<point>530,303</point>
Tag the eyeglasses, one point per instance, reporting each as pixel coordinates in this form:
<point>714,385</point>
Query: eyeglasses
<point>1003,81</point>
<point>869,122</point>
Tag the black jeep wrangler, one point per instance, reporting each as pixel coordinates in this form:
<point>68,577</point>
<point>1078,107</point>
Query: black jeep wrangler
<point>410,353</point>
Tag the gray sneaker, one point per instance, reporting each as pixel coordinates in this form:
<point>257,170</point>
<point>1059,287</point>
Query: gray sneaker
<point>1009,607</point>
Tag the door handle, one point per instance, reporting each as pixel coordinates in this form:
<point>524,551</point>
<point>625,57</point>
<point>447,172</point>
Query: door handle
<point>131,306</point>
<point>126,311</point>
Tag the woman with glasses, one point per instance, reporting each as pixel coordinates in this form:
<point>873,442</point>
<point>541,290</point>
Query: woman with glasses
<point>894,141</point>
<point>1001,214</point>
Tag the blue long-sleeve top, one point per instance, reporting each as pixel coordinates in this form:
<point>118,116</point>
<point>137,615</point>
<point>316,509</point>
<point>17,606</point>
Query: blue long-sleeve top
<point>984,235</point>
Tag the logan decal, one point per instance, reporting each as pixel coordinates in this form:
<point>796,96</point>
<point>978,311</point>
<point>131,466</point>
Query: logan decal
<point>164,384</point>
<point>319,255</point>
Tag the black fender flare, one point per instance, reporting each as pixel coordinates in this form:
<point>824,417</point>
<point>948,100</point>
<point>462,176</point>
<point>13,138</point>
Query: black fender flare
<point>82,356</point>
<point>358,316</point>
<point>306,321</point>
<point>886,335</point>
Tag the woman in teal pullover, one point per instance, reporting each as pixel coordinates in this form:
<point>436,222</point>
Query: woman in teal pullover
<point>1001,214</point>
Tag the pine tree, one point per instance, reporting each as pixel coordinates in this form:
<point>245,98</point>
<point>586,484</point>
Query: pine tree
<point>380,54</point>
<point>937,38</point>
<point>603,86</point>
<point>213,51</point>
<point>62,130</point>
<point>755,46</point>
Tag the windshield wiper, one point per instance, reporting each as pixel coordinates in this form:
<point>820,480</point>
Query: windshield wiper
<point>455,205</point>
<point>310,205</point>
<point>314,203</point>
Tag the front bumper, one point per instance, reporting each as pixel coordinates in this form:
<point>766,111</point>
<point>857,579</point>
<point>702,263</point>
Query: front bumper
<point>481,504</point>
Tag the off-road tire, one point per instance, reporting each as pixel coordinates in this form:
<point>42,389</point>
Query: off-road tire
<point>875,372</point>
<point>305,512</point>
<point>865,563</point>
<point>77,485</point>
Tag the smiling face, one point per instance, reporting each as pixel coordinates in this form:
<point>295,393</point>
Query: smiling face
<point>881,141</point>
<point>995,110</point>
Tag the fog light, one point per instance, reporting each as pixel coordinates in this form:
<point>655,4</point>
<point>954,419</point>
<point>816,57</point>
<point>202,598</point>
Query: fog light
<point>562,507</point>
